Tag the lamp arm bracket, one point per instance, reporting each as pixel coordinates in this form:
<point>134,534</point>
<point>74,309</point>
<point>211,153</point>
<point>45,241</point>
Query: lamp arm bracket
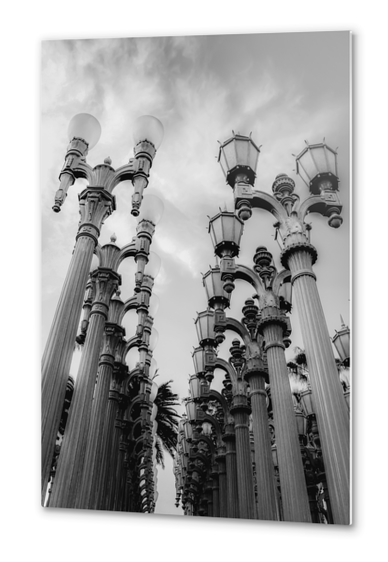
<point>236,326</point>
<point>134,373</point>
<point>225,366</point>
<point>83,170</point>
<point>247,274</point>
<point>125,172</point>
<point>262,200</point>
<point>207,439</point>
<point>217,396</point>
<point>282,276</point>
<point>129,250</point>
<point>214,422</point>
<point>317,204</point>
<point>130,304</point>
<point>99,253</point>
<point>131,343</point>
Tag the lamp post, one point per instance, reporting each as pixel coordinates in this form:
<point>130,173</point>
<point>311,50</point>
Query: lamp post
<point>73,484</point>
<point>272,323</point>
<point>341,342</point>
<point>317,166</point>
<point>96,203</point>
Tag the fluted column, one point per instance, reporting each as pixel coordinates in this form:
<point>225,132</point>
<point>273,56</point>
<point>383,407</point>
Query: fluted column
<point>216,493</point>
<point>222,493</point>
<point>331,410</point>
<point>291,473</point>
<point>209,499</point>
<point>95,446</point>
<point>246,493</point>
<point>108,438</point>
<point>95,205</point>
<point>120,471</point>
<point>229,439</point>
<point>71,460</point>
<point>266,499</point>
<point>114,468</point>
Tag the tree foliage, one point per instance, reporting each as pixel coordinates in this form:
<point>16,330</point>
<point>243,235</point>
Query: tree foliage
<point>167,419</point>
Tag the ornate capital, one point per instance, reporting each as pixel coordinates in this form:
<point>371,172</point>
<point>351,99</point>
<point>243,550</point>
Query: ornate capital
<point>256,367</point>
<point>95,205</point>
<point>294,244</point>
<point>107,282</point>
<point>240,404</point>
<point>272,315</point>
<point>112,336</point>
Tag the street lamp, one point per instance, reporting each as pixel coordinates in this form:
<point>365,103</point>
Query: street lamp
<point>238,157</point>
<point>341,341</point>
<point>265,328</point>
<point>316,165</point>
<point>96,203</point>
<point>225,232</point>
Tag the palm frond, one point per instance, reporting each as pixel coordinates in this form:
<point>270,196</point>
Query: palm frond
<point>167,417</point>
<point>159,452</point>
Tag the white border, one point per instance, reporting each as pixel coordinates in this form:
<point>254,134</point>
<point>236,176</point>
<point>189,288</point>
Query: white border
<point>59,534</point>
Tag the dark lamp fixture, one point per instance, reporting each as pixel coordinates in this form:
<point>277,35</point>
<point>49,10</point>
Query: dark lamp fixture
<point>226,230</point>
<point>341,341</point>
<point>205,327</point>
<point>214,286</point>
<point>317,166</point>
<point>238,157</point>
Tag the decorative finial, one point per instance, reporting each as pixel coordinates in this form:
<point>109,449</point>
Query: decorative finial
<point>342,321</point>
<point>113,238</point>
<point>108,160</point>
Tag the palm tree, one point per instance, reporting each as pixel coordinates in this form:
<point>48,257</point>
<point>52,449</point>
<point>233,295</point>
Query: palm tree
<point>167,419</point>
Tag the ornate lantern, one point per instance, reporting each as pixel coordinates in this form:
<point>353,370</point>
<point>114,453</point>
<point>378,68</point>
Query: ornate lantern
<point>306,401</point>
<point>341,341</point>
<point>214,286</point>
<point>191,409</point>
<point>199,360</point>
<point>195,387</point>
<point>188,431</point>
<point>205,328</point>
<point>238,157</point>
<point>317,166</point>
<point>226,230</point>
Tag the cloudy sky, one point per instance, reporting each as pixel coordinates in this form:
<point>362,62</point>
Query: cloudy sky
<point>284,88</point>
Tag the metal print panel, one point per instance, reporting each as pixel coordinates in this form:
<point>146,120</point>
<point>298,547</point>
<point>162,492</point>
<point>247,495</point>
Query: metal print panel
<point>196,279</point>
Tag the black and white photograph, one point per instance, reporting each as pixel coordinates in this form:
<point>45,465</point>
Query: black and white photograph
<point>196,198</point>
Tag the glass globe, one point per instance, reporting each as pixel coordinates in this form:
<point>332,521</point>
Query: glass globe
<point>153,368</point>
<point>151,209</point>
<point>154,305</point>
<point>148,128</point>
<point>153,266</point>
<point>154,391</point>
<point>85,126</point>
<point>153,339</point>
